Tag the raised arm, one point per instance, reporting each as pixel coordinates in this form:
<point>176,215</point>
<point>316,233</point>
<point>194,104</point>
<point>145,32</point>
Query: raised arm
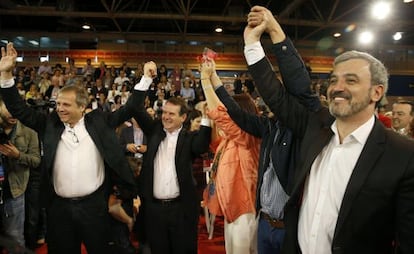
<point>14,103</point>
<point>286,107</point>
<point>219,112</point>
<point>207,70</point>
<point>294,74</point>
<point>250,123</point>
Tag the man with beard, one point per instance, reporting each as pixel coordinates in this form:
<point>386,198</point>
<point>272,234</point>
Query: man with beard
<point>354,186</point>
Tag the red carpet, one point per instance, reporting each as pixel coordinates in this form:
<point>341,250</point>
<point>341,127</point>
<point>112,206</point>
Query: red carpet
<point>205,246</point>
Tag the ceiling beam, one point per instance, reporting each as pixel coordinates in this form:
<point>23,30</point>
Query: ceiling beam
<point>51,12</point>
<point>110,13</point>
<point>290,8</point>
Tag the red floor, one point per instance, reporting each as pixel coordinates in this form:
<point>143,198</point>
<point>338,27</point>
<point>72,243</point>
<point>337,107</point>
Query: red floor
<point>205,246</point>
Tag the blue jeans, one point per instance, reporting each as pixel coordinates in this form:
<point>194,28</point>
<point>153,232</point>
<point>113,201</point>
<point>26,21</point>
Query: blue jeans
<point>13,219</point>
<point>269,239</point>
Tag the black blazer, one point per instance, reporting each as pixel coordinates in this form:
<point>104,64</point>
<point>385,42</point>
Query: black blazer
<point>100,126</point>
<point>189,146</point>
<point>378,204</point>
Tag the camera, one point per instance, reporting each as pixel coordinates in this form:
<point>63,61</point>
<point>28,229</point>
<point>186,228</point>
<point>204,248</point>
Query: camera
<point>4,138</point>
<point>41,103</point>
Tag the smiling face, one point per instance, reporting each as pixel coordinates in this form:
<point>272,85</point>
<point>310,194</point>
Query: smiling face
<point>171,118</point>
<point>401,115</point>
<point>350,91</point>
<point>67,108</point>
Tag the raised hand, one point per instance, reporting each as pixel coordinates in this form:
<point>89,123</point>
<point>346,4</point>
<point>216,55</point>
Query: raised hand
<point>207,68</point>
<point>150,69</point>
<point>272,25</point>
<point>8,58</point>
<point>255,26</point>
<point>262,20</point>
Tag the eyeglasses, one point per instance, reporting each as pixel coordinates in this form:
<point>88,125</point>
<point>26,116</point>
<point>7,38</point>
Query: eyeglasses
<point>75,138</point>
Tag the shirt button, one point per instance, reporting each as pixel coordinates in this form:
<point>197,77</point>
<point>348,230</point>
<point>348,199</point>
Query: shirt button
<point>284,47</point>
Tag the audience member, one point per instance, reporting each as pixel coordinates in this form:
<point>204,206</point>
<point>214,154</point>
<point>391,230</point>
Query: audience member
<point>19,150</point>
<point>187,92</point>
<point>402,116</point>
<point>88,69</point>
<point>175,77</point>
<point>44,67</point>
<point>243,79</point>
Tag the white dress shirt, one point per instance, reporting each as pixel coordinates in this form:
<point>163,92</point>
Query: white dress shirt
<point>165,174</point>
<point>79,168</point>
<point>325,188</point>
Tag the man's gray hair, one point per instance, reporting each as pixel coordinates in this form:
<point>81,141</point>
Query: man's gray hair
<point>379,74</point>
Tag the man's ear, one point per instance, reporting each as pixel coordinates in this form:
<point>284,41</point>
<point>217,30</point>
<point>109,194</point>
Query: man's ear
<point>184,117</point>
<point>377,92</point>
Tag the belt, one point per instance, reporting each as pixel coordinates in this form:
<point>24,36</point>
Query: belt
<point>83,198</point>
<point>168,201</point>
<point>276,223</point>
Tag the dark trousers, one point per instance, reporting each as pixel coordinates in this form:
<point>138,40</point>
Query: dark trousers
<point>72,222</point>
<point>32,207</point>
<point>171,229</point>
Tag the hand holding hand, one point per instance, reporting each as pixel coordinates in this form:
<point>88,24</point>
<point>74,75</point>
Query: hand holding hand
<point>255,26</point>
<point>262,20</point>
<point>8,58</point>
<point>272,25</point>
<point>150,69</point>
<point>207,68</point>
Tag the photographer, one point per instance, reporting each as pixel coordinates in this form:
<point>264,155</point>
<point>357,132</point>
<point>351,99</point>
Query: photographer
<point>19,149</point>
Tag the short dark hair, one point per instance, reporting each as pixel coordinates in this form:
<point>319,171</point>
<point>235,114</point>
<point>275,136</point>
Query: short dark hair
<point>407,103</point>
<point>179,102</point>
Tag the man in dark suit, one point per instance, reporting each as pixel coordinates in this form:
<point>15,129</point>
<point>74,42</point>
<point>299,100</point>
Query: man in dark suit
<point>82,161</point>
<point>354,186</point>
<point>167,188</point>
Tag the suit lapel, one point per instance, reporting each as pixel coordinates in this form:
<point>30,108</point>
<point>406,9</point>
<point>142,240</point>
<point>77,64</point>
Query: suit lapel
<point>315,146</point>
<point>366,162</point>
<point>180,144</point>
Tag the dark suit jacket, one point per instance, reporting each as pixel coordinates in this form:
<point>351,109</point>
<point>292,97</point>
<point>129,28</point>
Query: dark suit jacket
<point>378,204</point>
<point>285,150</point>
<point>189,146</point>
<point>100,126</point>
<point>127,136</point>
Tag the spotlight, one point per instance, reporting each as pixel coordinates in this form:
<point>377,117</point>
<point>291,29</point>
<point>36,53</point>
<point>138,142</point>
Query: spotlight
<point>381,10</point>
<point>336,35</point>
<point>218,29</point>
<point>397,36</point>
<point>366,37</point>
<point>86,26</point>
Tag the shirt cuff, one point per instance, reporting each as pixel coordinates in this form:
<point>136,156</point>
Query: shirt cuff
<point>254,53</point>
<point>143,84</point>
<point>217,87</point>
<point>7,83</point>
<point>205,122</point>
